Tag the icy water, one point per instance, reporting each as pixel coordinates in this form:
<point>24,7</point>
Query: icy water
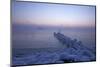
<point>45,38</point>
<point>39,46</point>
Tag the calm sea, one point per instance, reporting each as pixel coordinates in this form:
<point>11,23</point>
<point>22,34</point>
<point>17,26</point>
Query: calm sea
<point>44,38</point>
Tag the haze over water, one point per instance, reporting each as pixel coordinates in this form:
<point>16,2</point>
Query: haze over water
<point>33,24</point>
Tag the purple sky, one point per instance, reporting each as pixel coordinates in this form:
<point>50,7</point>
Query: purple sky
<point>53,14</point>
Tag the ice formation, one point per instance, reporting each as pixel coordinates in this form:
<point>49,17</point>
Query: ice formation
<point>74,51</point>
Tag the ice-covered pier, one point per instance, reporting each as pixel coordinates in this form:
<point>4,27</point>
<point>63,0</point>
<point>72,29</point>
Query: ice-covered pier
<point>76,45</point>
<point>67,41</point>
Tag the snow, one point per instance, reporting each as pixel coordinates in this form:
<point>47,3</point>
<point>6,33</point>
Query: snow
<point>61,56</point>
<point>75,52</point>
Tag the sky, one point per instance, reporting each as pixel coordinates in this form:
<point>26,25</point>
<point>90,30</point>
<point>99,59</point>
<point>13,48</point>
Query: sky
<point>53,14</point>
